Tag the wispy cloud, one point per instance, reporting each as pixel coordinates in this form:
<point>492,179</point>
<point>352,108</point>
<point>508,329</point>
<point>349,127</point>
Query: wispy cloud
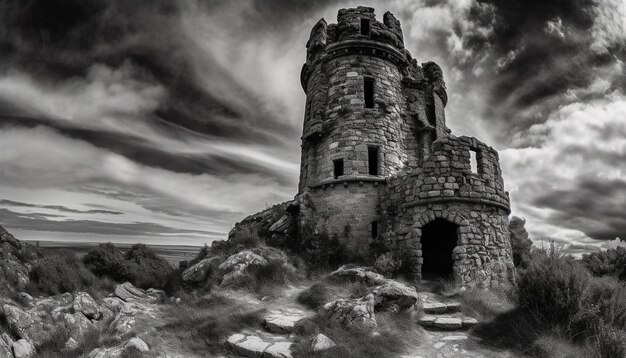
<point>186,116</point>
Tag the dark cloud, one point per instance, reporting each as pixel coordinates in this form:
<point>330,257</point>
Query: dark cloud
<point>59,40</point>
<point>61,208</point>
<point>39,222</point>
<point>534,67</point>
<point>144,152</point>
<point>594,206</point>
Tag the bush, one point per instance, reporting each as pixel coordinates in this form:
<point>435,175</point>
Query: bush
<point>59,273</point>
<point>520,243</point>
<point>144,268</point>
<point>140,265</point>
<point>553,287</point>
<point>105,260</point>
<point>611,262</point>
<point>315,296</point>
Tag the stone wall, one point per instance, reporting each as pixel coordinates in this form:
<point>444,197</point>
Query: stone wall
<point>345,211</point>
<point>446,188</point>
<point>423,172</point>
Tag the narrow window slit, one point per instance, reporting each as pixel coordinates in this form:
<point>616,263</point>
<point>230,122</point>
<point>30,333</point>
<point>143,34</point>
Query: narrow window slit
<point>365,27</point>
<point>337,168</point>
<point>473,161</point>
<point>372,160</point>
<point>374,229</point>
<point>368,92</point>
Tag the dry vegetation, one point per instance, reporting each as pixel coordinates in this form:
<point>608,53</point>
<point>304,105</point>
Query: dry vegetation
<point>556,309</point>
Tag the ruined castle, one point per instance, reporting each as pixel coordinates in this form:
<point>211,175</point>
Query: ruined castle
<point>380,168</point>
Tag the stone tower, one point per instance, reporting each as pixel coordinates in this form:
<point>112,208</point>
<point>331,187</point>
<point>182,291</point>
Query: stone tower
<point>381,172</point>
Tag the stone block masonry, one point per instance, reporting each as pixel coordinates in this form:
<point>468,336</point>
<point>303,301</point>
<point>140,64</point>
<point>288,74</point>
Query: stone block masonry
<point>381,171</point>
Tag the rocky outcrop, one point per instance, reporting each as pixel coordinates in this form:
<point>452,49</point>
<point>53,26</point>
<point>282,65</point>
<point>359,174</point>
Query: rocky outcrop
<point>23,349</point>
<point>351,313</point>
<point>13,268</point>
<point>394,294</point>
<point>52,315</point>
<point>322,343</point>
<point>233,269</point>
<point>86,305</point>
<point>359,274</point>
<point>134,344</point>
<point>201,271</point>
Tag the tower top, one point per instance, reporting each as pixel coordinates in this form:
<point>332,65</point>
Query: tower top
<point>358,32</point>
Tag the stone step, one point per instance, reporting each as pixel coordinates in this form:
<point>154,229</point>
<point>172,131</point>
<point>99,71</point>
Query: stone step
<point>282,321</point>
<point>436,307</point>
<point>447,323</point>
<point>259,345</point>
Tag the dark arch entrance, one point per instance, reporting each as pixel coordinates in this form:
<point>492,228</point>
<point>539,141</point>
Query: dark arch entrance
<point>439,238</point>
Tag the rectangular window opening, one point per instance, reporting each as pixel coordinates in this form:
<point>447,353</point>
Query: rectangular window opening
<point>368,92</point>
<point>473,161</point>
<point>365,27</point>
<point>374,229</point>
<point>372,160</point>
<point>337,168</point>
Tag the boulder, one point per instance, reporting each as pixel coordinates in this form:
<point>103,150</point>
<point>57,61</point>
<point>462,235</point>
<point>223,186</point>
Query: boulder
<point>18,320</point>
<point>127,292</point>
<point>241,261</point>
<point>119,351</point>
<point>283,225</point>
<point>24,298</point>
<point>234,267</point>
<point>322,343</point>
<point>351,313</point>
<point>395,293</point>
<point>77,324</point>
<point>199,272</point>
<point>86,305</point>
<point>6,348</point>
<point>23,349</point>
<point>71,344</point>
<point>360,274</point>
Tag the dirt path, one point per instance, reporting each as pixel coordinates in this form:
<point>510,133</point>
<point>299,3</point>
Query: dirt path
<point>431,343</point>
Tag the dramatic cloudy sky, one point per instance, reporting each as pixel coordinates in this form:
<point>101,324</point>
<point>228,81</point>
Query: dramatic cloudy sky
<point>168,121</point>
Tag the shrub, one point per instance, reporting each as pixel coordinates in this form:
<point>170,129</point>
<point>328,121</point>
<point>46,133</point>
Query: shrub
<point>206,322</point>
<point>144,268</point>
<point>59,273</point>
<point>611,262</point>
<point>315,296</point>
<point>105,260</point>
<point>520,243</point>
<point>201,255</point>
<point>553,287</point>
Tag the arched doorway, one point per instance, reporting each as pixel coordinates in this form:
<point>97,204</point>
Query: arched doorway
<point>439,237</point>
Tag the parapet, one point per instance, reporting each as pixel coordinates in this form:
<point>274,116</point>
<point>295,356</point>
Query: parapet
<point>448,175</point>
<point>357,30</point>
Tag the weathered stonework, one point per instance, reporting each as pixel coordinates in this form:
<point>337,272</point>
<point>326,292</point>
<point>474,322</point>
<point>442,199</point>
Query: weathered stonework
<point>423,172</point>
<point>382,179</point>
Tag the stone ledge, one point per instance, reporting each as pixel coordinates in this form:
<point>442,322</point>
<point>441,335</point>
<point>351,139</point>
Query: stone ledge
<point>456,198</point>
<point>350,179</point>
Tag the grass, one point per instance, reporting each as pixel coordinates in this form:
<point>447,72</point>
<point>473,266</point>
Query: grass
<point>102,335</point>
<point>326,290</point>
<point>395,333</point>
<point>204,323</point>
<point>558,309</point>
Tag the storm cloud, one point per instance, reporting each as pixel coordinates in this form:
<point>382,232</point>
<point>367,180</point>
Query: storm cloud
<point>180,118</point>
